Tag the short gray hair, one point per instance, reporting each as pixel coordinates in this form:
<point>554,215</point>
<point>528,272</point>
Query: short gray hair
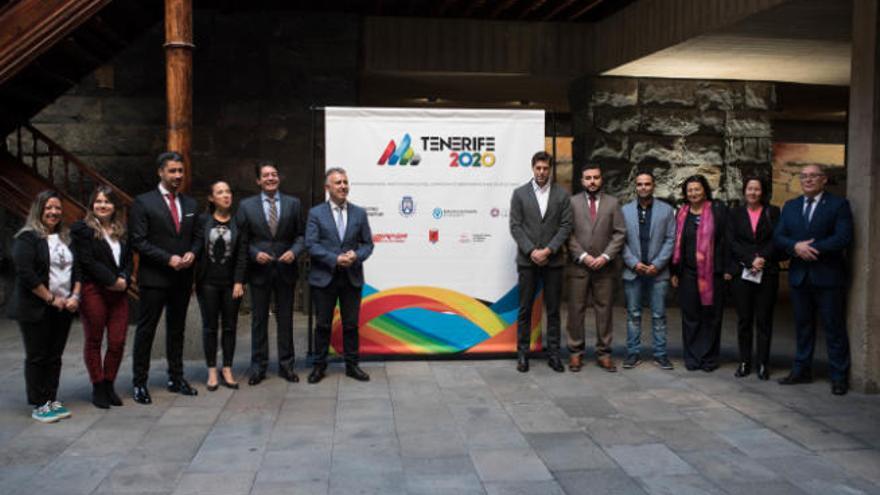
<point>334,170</point>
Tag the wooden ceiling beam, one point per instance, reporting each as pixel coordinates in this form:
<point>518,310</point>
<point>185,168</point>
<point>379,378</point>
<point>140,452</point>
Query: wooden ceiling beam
<point>559,8</point>
<point>503,6</point>
<point>535,5</point>
<point>590,6</point>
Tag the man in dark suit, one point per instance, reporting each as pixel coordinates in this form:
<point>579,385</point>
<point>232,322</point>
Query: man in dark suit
<point>540,221</point>
<point>162,230</point>
<point>272,224</point>
<point>596,239</point>
<point>339,240</point>
<point>816,229</point>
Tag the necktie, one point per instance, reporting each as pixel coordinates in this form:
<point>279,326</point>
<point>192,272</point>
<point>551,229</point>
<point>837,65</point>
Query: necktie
<point>273,216</point>
<point>808,211</point>
<point>592,208</point>
<point>340,224</point>
<point>175,216</point>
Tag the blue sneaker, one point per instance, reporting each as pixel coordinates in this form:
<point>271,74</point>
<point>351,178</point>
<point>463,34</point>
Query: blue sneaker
<point>44,414</point>
<point>59,410</point>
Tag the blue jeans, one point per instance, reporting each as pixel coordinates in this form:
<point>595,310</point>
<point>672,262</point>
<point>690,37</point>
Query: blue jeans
<point>637,292</point>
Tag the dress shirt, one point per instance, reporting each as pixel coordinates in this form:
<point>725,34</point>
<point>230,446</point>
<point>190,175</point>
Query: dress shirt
<point>813,205</point>
<point>264,199</point>
<point>596,202</point>
<point>115,247</point>
<point>645,230</point>
<point>335,209</point>
<point>542,194</point>
<point>165,192</point>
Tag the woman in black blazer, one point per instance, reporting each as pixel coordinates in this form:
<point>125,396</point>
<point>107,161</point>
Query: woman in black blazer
<point>104,258</point>
<point>750,233</point>
<point>220,272</point>
<point>699,269</point>
<point>45,296</point>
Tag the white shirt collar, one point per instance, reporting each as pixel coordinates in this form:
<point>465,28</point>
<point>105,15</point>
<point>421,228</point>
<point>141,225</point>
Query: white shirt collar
<point>335,206</point>
<point>816,198</point>
<point>537,188</point>
<point>165,192</point>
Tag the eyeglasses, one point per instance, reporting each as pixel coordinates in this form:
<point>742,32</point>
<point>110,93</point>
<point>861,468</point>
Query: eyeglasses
<point>811,176</point>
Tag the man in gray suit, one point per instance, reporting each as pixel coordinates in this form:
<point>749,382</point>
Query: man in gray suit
<point>650,238</point>
<point>540,221</point>
<point>595,240</point>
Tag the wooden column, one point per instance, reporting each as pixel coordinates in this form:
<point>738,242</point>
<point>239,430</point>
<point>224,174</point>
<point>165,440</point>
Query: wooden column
<point>178,75</point>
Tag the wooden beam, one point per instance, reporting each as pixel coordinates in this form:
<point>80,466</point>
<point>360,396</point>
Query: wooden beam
<point>178,78</point>
<point>501,8</point>
<point>590,6</point>
<point>535,5</point>
<point>562,6</point>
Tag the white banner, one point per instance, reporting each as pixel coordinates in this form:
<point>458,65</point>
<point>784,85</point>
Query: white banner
<point>437,185</point>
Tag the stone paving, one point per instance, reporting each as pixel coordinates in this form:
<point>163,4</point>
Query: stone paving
<point>437,427</point>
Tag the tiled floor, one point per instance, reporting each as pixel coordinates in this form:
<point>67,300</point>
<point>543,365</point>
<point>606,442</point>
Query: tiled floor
<point>439,427</point>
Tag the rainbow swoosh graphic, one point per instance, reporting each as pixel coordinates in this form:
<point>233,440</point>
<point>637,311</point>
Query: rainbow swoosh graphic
<point>421,320</point>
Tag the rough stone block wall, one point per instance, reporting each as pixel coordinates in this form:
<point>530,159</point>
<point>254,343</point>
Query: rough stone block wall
<point>675,128</point>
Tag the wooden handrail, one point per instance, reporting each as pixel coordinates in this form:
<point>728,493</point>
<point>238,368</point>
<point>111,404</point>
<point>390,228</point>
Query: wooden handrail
<point>52,150</point>
<point>30,27</point>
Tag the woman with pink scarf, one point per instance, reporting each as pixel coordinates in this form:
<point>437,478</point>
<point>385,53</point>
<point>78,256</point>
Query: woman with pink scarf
<point>698,266</point>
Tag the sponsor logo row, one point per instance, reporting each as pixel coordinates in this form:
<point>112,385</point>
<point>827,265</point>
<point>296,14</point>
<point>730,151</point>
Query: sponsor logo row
<point>407,208</point>
<point>432,237</point>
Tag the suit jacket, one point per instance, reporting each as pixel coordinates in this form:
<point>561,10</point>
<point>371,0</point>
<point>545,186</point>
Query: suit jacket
<point>238,267</point>
<point>30,255</point>
<point>721,258</point>
<point>605,236</point>
<point>95,257</point>
<point>151,233</point>
<point>661,240</point>
<point>530,231</point>
<point>324,245</point>
<point>745,245</point>
<point>289,236</point>
<point>832,229</point>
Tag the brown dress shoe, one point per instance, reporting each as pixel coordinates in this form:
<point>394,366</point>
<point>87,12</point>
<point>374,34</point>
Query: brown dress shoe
<point>575,362</point>
<point>606,364</point>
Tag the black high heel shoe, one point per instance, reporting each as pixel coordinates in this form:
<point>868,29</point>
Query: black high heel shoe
<point>233,386</point>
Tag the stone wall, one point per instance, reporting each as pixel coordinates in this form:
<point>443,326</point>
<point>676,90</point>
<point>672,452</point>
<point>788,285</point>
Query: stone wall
<point>676,128</point>
<point>256,75</point>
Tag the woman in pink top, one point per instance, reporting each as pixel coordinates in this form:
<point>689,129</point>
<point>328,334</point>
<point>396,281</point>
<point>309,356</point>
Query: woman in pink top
<point>755,270</point>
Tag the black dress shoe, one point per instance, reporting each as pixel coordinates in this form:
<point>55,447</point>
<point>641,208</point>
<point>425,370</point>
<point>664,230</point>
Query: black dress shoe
<point>114,399</point>
<point>289,375</point>
<point>763,372</point>
<point>318,373</point>
<point>141,395</point>
<point>555,364</point>
<point>99,396</point>
<point>744,369</point>
<point>256,377</point>
<point>180,386</point>
<point>354,371</point>
<point>796,378</point>
<point>522,362</point>
<point>839,388</point>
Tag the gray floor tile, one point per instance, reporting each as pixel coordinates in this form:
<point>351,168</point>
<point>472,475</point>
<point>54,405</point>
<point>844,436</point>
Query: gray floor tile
<point>509,465</point>
<point>653,459</point>
<point>598,482</point>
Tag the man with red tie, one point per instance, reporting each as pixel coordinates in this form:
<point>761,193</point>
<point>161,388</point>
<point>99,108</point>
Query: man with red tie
<point>162,230</point>
<point>597,237</point>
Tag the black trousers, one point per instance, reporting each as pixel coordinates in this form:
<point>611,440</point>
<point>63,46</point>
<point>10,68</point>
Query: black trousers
<point>700,325</point>
<point>349,297</point>
<point>218,307</point>
<point>529,278</point>
<point>44,343</point>
<point>754,316</point>
<point>261,297</point>
<point>153,300</point>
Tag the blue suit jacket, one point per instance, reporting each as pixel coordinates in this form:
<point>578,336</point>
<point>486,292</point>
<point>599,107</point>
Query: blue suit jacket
<point>661,241</point>
<point>323,244</point>
<point>832,229</point>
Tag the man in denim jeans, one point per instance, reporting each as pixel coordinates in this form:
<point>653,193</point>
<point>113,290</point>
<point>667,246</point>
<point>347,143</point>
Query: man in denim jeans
<point>650,238</point>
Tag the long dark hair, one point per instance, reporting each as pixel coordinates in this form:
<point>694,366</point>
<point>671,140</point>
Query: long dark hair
<point>117,221</point>
<point>703,182</point>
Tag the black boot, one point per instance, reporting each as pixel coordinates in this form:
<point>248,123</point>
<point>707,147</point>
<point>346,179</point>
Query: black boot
<point>112,398</point>
<point>99,396</point>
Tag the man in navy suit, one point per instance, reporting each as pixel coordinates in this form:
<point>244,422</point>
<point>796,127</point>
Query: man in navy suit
<point>816,229</point>
<point>272,224</point>
<point>162,230</point>
<point>339,240</point>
